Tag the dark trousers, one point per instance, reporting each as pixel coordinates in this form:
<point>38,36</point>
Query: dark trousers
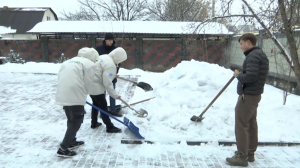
<point>100,101</point>
<point>75,115</point>
<point>246,130</point>
<point>112,101</point>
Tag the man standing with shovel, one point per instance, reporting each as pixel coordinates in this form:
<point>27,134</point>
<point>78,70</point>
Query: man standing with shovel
<point>107,46</point>
<point>105,72</point>
<point>250,86</point>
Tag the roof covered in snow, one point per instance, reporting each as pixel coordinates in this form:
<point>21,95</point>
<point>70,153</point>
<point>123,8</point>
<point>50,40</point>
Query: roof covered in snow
<point>22,19</point>
<point>6,30</point>
<point>134,27</point>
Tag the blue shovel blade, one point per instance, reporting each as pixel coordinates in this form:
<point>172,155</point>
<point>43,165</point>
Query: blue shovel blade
<point>126,122</point>
<point>132,127</point>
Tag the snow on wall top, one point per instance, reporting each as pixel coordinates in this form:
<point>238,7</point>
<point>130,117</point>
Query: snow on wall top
<point>148,27</point>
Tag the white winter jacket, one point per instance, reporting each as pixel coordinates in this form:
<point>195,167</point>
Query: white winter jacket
<point>105,72</point>
<point>75,78</point>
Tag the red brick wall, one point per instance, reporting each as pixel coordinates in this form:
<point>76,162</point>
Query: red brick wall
<point>157,55</point>
<point>29,50</point>
<point>208,51</point>
<point>161,55</point>
<point>68,47</point>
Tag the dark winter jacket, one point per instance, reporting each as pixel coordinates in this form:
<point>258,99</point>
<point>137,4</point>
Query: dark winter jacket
<point>104,49</point>
<point>255,70</point>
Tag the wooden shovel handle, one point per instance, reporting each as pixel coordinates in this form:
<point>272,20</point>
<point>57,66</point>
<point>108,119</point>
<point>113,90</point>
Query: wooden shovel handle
<point>139,102</point>
<point>231,79</point>
<point>127,80</point>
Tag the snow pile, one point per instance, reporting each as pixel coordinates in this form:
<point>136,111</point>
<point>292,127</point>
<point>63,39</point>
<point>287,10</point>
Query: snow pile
<point>187,89</point>
<point>184,91</point>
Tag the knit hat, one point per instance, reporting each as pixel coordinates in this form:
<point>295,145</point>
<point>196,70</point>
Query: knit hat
<point>109,36</point>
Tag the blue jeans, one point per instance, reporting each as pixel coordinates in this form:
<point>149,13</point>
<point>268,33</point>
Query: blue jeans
<point>112,101</point>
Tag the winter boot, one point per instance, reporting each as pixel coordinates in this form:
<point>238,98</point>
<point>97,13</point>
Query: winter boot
<point>250,157</point>
<point>65,153</point>
<point>238,160</point>
<point>93,126</point>
<point>76,144</point>
<point>113,129</point>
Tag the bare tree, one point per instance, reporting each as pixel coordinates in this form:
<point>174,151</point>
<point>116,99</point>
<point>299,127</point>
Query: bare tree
<point>88,11</point>
<point>123,9</point>
<point>109,10</point>
<point>280,15</point>
<point>179,10</point>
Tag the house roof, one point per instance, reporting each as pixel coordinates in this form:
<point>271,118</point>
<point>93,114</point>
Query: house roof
<point>6,30</point>
<point>133,27</point>
<point>22,19</point>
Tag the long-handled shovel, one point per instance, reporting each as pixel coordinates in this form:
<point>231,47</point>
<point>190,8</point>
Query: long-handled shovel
<point>138,102</point>
<point>145,86</point>
<point>200,118</point>
<point>140,113</point>
<point>119,107</point>
<point>125,122</point>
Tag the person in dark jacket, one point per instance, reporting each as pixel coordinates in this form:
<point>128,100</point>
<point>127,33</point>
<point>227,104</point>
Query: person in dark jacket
<point>251,82</point>
<point>107,46</point>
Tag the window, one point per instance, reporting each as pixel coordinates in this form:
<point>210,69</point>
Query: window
<point>48,17</point>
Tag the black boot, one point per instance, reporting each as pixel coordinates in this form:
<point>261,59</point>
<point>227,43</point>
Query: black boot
<point>76,144</point>
<point>65,153</point>
<point>96,125</point>
<point>113,129</point>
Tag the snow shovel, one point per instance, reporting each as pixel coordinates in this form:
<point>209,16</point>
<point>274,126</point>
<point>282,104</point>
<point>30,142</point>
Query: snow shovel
<point>145,86</point>
<point>200,118</point>
<point>119,107</point>
<point>142,113</point>
<point>138,102</point>
<point>125,122</point>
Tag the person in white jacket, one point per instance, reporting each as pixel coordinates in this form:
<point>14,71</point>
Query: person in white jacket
<point>105,72</point>
<point>74,80</point>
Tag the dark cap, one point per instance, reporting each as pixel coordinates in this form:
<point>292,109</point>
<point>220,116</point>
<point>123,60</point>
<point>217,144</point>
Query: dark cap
<point>109,36</point>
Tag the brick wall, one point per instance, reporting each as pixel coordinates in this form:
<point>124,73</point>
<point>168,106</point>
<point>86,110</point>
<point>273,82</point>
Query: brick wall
<point>29,50</point>
<point>68,47</point>
<point>152,55</point>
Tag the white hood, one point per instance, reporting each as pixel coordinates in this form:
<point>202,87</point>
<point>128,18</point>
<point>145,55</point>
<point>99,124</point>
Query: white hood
<point>89,53</point>
<point>118,55</point>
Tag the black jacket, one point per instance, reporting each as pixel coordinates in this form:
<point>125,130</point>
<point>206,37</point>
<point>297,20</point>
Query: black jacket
<point>255,70</point>
<point>104,49</point>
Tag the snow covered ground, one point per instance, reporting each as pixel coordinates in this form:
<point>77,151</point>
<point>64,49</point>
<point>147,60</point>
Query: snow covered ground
<point>186,90</point>
<point>33,125</point>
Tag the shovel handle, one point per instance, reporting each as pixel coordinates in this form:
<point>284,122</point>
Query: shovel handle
<point>138,102</point>
<point>104,112</point>
<point>129,106</point>
<point>128,80</point>
<point>231,79</point>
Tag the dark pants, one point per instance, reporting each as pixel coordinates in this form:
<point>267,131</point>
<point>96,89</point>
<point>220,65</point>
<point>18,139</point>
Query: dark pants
<point>100,101</point>
<point>75,115</point>
<point>246,130</point>
<point>112,101</point>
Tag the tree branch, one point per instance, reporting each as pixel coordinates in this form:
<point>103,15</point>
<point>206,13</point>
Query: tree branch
<point>284,53</point>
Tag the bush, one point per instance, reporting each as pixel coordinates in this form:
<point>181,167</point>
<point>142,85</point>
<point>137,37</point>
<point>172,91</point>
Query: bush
<point>61,59</point>
<point>13,57</point>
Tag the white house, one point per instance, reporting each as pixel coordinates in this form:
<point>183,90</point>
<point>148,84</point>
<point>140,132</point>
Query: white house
<point>15,22</point>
